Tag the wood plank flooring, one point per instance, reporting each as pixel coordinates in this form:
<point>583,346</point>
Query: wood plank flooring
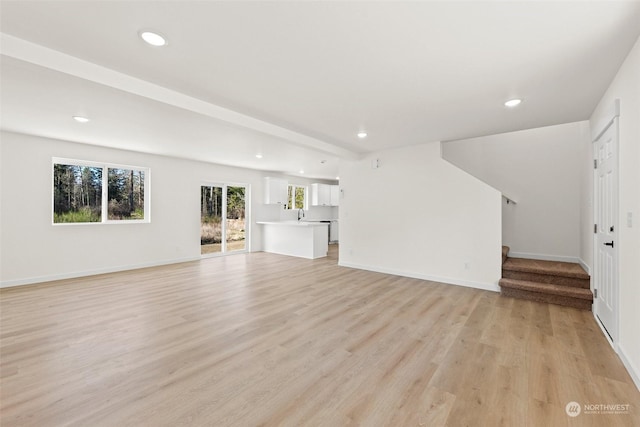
<point>263,339</point>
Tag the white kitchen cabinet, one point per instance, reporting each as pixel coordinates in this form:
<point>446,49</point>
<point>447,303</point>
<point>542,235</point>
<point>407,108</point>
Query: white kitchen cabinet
<point>334,233</point>
<point>320,195</point>
<point>335,195</point>
<point>325,195</point>
<point>295,238</point>
<point>275,191</point>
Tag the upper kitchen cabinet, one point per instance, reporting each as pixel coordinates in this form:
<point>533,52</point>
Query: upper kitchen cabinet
<point>320,195</point>
<point>335,195</point>
<point>324,195</point>
<point>275,191</point>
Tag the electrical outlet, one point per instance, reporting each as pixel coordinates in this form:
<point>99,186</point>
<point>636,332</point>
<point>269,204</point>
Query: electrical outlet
<point>629,219</point>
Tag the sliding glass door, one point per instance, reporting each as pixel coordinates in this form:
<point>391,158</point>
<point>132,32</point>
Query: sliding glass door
<point>223,220</point>
<point>236,225</point>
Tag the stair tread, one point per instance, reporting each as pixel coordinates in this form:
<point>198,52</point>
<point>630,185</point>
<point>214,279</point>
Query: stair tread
<point>547,288</point>
<point>555,268</point>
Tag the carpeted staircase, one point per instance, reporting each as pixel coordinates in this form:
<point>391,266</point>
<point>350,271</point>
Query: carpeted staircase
<point>562,283</point>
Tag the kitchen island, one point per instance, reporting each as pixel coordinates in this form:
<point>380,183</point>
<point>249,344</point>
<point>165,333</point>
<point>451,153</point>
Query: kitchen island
<point>295,238</point>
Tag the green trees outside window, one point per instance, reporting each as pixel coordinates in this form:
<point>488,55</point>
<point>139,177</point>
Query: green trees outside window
<point>126,194</point>
<point>296,197</point>
<point>79,193</point>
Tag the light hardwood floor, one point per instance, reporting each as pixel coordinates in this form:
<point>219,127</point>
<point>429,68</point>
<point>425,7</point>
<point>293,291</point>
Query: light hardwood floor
<point>263,339</point>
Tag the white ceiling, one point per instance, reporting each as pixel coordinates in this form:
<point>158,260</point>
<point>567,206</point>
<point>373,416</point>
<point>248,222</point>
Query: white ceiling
<point>298,80</point>
<point>41,101</point>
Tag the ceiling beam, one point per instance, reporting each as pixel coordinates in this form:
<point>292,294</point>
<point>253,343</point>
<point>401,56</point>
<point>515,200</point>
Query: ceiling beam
<point>45,57</point>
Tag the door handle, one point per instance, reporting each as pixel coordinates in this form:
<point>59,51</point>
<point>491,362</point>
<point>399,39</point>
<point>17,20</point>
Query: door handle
<point>609,244</point>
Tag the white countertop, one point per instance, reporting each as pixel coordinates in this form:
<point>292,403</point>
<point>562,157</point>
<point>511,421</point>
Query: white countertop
<point>293,223</point>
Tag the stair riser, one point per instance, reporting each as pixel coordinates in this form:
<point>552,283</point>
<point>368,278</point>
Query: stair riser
<point>546,278</point>
<point>578,303</point>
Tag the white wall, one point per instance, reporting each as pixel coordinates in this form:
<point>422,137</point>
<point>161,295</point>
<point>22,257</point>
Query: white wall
<point>419,216</point>
<point>626,87</point>
<point>33,250</point>
<point>541,170</point>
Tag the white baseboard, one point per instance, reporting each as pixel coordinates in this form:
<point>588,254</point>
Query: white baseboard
<point>413,275</point>
<point>85,273</point>
<point>631,368</point>
<point>585,266</point>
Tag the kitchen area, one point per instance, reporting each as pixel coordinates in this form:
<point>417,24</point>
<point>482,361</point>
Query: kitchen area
<point>307,218</point>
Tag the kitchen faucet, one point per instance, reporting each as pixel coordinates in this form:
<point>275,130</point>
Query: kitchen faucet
<point>300,214</point>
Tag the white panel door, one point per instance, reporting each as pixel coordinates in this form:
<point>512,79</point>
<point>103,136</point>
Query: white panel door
<point>605,218</point>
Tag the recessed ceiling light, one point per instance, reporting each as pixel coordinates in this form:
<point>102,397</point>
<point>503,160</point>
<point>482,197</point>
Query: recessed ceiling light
<point>80,119</point>
<point>362,135</point>
<point>301,171</point>
<point>154,39</point>
<point>513,102</point>
<point>258,156</point>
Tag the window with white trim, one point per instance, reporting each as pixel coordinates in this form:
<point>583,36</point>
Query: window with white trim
<point>92,192</point>
<point>297,197</point>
